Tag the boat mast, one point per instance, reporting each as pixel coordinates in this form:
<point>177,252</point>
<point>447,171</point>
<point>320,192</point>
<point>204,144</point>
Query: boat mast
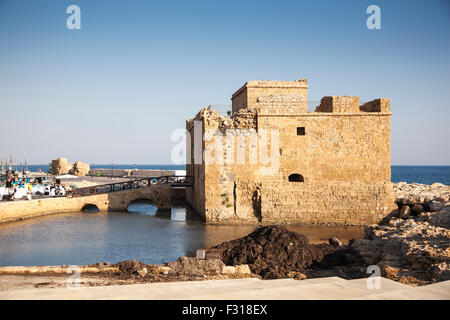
<point>10,163</point>
<point>26,163</point>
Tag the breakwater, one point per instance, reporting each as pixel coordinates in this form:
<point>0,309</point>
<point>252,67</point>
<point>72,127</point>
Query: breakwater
<point>131,173</point>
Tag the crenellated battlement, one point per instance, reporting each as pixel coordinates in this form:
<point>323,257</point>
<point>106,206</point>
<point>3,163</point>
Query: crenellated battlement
<point>377,105</point>
<point>339,104</point>
<point>350,104</point>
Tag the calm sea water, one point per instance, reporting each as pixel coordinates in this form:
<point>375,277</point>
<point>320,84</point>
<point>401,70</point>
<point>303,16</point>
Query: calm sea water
<point>419,174</point>
<point>144,234</point>
<point>46,167</point>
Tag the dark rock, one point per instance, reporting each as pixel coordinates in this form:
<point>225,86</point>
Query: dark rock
<point>417,209</point>
<point>334,241</point>
<point>436,206</point>
<point>404,212</point>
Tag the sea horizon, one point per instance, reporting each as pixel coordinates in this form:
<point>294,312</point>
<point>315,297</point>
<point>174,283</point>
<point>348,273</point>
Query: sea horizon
<point>425,174</point>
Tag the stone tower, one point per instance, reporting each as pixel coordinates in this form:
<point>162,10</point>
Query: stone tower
<point>272,161</point>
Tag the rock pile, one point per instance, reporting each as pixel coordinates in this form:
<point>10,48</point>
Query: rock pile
<point>421,197</point>
<point>413,244</point>
<point>429,203</point>
<point>183,269</point>
<point>189,266</point>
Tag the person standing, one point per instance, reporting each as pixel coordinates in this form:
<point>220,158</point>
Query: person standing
<point>29,191</point>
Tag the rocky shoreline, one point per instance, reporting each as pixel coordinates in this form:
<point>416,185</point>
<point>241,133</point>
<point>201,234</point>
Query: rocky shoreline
<point>411,245</point>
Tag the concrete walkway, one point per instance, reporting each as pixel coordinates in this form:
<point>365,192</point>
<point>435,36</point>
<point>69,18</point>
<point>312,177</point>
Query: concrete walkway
<point>245,289</point>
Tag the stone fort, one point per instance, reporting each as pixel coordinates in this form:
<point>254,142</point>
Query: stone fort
<point>272,161</point>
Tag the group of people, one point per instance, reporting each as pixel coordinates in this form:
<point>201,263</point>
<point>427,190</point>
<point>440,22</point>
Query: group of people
<point>14,187</point>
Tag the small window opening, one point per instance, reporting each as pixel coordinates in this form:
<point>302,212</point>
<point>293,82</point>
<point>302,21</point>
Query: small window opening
<point>300,131</point>
<point>295,177</point>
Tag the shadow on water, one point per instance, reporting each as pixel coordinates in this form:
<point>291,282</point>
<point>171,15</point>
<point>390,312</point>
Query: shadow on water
<point>179,211</point>
<point>143,207</point>
<point>90,208</point>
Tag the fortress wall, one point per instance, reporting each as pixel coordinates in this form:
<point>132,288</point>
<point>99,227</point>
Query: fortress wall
<point>334,147</point>
<point>345,168</point>
<point>341,155</point>
<point>345,162</point>
<point>326,203</point>
<point>195,196</point>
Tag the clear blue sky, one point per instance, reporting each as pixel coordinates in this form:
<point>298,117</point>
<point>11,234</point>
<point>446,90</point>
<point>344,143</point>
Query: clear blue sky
<point>116,89</point>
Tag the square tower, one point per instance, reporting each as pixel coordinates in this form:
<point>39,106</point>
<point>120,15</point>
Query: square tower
<point>253,92</point>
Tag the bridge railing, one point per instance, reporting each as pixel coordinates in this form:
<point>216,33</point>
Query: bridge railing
<point>182,181</point>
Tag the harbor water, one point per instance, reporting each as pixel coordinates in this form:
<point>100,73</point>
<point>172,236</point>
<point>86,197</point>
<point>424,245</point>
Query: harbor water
<point>81,238</point>
<point>146,234</point>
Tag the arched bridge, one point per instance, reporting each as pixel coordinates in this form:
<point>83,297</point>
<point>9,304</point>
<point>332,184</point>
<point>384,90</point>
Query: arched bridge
<point>118,195</point>
<point>173,181</point>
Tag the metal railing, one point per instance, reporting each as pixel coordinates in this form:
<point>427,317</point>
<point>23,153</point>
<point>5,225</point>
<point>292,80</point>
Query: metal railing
<point>180,181</point>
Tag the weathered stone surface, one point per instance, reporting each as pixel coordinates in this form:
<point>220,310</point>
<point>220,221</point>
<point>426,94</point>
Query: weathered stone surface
<point>296,275</point>
<point>243,269</point>
<point>404,212</point>
<point>60,166</point>
<point>80,169</point>
<point>228,270</point>
<point>416,193</point>
<point>196,267</point>
<point>143,272</point>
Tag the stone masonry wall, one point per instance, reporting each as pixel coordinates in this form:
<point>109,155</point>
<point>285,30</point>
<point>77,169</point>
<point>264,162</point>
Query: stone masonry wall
<point>339,104</point>
<point>377,105</point>
<point>248,94</point>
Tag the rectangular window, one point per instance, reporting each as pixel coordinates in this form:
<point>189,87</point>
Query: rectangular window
<point>300,131</point>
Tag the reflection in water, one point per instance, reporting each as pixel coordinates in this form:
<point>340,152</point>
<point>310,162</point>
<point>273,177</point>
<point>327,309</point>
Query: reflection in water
<point>143,233</point>
<point>178,214</point>
<point>143,207</point>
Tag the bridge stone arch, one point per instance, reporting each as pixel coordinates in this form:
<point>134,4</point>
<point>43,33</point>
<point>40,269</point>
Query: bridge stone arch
<point>159,195</point>
<point>90,207</point>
